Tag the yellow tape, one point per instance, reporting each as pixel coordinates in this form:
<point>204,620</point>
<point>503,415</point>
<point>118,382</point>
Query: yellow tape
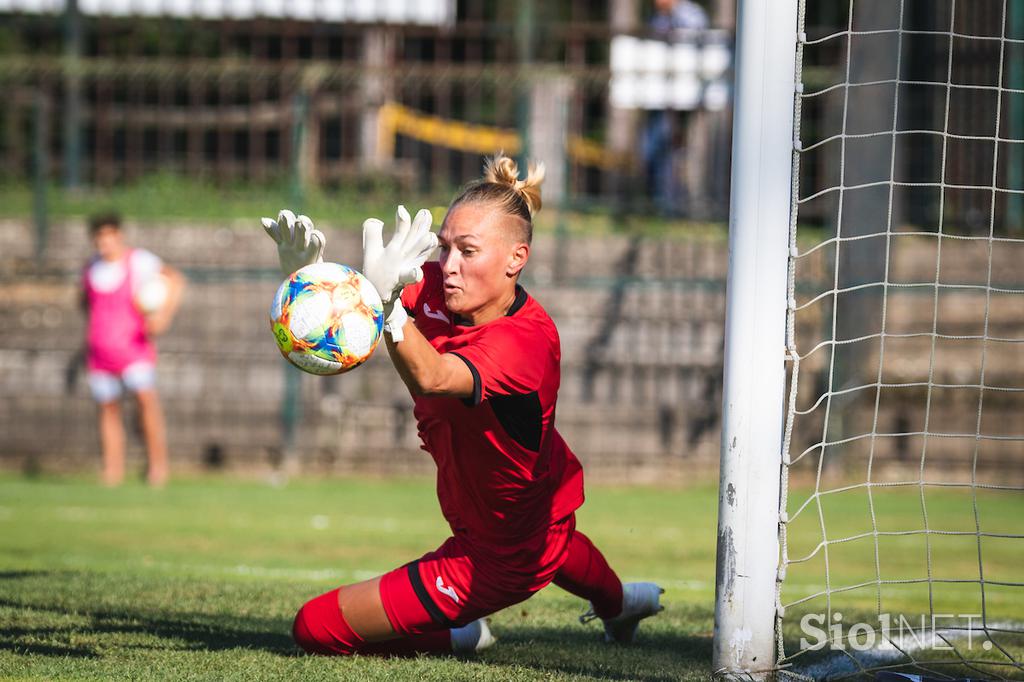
<point>589,153</point>
<point>394,119</point>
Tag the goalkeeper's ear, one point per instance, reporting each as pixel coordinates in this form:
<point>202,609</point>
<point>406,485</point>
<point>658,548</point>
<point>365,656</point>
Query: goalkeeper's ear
<point>517,259</point>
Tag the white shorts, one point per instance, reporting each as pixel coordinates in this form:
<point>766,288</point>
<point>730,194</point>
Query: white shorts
<point>107,386</point>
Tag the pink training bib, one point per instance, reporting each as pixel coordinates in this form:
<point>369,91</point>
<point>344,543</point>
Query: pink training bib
<point>116,332</point>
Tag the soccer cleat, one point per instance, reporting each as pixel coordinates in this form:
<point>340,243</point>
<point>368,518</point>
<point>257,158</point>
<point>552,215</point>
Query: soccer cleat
<point>472,638</point>
<point>639,601</point>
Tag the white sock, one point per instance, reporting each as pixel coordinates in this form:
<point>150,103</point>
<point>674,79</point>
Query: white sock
<point>472,638</point>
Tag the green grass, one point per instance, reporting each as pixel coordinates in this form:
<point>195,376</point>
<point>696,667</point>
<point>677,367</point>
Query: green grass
<point>158,198</point>
<point>201,580</point>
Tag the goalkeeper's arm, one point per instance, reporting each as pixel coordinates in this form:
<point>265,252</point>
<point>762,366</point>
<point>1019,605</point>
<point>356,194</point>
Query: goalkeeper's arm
<point>423,369</point>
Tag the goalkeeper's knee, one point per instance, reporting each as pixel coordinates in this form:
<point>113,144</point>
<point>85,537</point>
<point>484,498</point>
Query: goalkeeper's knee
<point>320,628</point>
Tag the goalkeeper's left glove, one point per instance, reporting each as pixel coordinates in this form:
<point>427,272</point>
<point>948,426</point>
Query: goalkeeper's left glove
<point>390,268</point>
<point>298,243</point>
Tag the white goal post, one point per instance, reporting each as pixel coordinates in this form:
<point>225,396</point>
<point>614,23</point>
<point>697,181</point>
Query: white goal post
<point>755,337</point>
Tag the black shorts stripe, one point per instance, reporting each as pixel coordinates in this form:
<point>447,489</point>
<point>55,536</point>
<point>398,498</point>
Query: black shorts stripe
<point>421,592</point>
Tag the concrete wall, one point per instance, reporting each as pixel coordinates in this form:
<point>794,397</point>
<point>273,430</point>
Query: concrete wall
<point>640,323</point>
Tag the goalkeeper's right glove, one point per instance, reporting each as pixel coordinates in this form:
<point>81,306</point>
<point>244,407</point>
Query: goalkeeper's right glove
<point>298,243</point>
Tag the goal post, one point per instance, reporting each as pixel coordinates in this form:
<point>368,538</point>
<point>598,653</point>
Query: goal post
<point>871,507</point>
<point>755,338</point>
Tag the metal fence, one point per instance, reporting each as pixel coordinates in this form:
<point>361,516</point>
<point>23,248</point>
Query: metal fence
<point>103,99</point>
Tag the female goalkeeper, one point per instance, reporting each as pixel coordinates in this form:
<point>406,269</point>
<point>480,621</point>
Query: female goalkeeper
<point>481,360</point>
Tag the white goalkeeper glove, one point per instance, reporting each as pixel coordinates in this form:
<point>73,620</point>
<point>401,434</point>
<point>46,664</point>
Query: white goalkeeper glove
<point>298,243</point>
<point>389,268</point>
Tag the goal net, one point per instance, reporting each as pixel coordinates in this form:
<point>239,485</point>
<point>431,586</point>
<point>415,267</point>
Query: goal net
<point>902,537</point>
<point>901,496</point>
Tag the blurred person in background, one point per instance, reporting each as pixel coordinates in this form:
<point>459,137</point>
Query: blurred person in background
<point>665,129</point>
<point>130,297</point>
<point>481,359</point>
<point>672,16</point>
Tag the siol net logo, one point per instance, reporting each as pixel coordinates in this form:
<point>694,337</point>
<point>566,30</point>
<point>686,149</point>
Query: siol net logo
<point>933,632</point>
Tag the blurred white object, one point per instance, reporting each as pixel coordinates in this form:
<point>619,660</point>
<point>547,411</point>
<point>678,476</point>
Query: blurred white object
<point>653,91</point>
<point>623,53</point>
<point>685,58</point>
<point>690,72</point>
<point>717,96</point>
<point>716,59</point>
<point>303,10</point>
<point>152,294</point>
<point>420,12</point>
<point>686,93</point>
<point>654,56</point>
<point>622,92</point>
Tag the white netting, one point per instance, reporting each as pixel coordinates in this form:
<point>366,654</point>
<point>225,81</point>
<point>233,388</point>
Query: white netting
<point>903,468</point>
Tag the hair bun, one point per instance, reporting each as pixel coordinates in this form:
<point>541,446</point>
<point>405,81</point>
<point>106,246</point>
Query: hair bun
<point>502,170</point>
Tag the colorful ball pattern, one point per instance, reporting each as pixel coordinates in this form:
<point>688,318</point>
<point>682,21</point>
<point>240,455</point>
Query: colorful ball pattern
<point>327,318</point>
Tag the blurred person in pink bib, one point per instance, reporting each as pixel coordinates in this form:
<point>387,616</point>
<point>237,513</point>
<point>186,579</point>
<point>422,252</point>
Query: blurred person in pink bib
<point>130,297</point>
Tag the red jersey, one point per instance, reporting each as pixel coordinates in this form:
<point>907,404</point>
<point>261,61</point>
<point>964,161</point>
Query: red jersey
<point>504,474</point>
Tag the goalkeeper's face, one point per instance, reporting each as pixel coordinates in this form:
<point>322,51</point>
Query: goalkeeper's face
<point>480,259</point>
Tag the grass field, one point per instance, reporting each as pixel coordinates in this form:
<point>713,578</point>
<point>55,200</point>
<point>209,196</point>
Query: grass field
<point>201,580</point>
<point>156,199</point>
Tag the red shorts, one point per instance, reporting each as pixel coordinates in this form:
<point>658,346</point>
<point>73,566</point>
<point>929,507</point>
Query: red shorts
<point>460,582</point>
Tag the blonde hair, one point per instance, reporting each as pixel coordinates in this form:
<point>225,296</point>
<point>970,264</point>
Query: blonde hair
<point>501,187</point>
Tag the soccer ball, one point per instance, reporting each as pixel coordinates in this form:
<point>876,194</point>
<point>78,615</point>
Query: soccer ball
<point>327,318</point>
<point>152,294</point>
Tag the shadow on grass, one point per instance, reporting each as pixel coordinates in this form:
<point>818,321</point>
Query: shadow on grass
<point>191,631</point>
<point>654,657</point>
<point>18,575</point>
<point>55,650</point>
<point>659,654</point>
